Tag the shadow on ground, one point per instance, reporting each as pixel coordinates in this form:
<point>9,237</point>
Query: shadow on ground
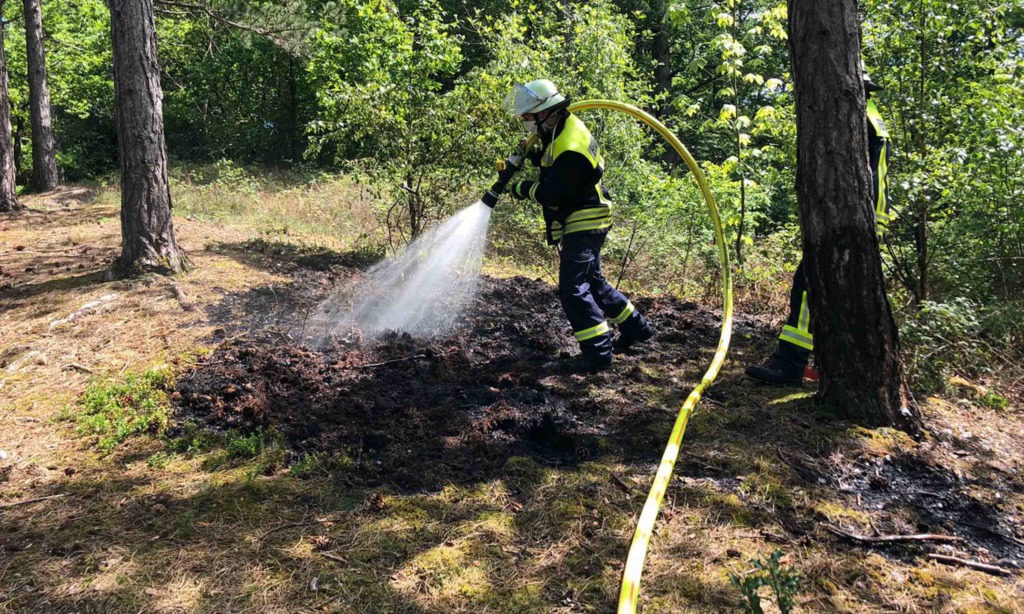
<point>472,473</point>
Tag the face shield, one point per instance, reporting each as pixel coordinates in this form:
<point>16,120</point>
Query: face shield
<point>521,100</point>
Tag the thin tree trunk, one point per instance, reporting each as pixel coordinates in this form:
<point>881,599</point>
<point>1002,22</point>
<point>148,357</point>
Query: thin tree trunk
<point>44,151</point>
<point>861,374</point>
<point>19,131</point>
<point>662,56</point>
<point>147,232</point>
<point>8,192</point>
<point>921,221</point>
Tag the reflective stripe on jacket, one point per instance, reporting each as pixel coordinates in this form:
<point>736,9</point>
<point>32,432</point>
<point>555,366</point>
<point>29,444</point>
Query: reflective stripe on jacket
<point>569,188</point>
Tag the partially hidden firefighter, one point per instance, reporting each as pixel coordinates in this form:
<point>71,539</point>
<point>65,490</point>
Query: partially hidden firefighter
<point>577,216</point>
<point>787,364</point>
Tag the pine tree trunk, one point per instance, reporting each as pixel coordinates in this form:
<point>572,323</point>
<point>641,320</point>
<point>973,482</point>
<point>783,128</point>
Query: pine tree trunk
<point>861,374</point>
<point>147,232</point>
<point>44,152</point>
<point>8,193</point>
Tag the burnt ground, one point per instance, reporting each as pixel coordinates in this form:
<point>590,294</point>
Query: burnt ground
<point>420,414</point>
<point>416,415</point>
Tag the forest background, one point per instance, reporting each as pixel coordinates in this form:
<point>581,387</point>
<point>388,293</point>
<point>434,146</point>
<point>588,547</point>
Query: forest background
<point>403,100</point>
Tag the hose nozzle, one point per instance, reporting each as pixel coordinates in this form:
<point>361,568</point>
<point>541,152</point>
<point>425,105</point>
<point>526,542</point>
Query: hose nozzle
<point>507,169</point>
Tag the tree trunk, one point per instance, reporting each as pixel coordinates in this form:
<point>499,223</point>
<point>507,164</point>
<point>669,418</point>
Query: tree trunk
<point>861,374</point>
<point>8,193</point>
<point>662,53</point>
<point>19,131</point>
<point>44,152</point>
<point>147,232</point>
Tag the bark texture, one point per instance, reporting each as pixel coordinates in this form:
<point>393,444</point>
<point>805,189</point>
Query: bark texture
<point>662,53</point>
<point>856,339</point>
<point>147,232</point>
<point>8,192</point>
<point>44,152</point>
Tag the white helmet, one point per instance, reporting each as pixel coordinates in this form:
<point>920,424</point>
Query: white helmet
<point>533,97</point>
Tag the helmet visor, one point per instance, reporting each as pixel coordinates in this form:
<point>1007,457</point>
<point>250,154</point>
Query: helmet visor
<point>521,100</point>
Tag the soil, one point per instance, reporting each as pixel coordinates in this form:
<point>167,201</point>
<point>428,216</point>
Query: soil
<point>422,413</point>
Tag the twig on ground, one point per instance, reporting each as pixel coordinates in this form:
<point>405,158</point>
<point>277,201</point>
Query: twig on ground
<point>626,259</point>
<point>289,525</point>
<point>77,367</point>
<point>284,336</point>
<point>27,501</point>
<point>388,362</point>
<point>334,557</point>
<point>952,560</point>
<point>890,539</point>
<point>622,485</point>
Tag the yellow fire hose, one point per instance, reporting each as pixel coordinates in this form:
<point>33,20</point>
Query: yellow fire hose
<point>630,592</point>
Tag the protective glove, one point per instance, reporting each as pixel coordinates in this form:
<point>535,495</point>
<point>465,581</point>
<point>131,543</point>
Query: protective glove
<point>530,151</point>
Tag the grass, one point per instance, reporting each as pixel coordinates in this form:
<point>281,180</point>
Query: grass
<point>316,209</point>
<point>116,410</point>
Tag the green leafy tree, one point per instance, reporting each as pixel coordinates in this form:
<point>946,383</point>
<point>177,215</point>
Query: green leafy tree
<point>954,90</point>
<point>385,87</point>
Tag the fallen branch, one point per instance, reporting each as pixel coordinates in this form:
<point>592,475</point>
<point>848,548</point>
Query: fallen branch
<point>334,557</point>
<point>88,308</point>
<point>373,364</point>
<point>891,539</point>
<point>27,501</point>
<point>952,560</point>
<point>77,367</point>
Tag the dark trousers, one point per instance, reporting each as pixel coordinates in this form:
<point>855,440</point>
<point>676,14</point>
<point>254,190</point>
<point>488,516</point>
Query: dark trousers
<point>796,341</point>
<point>589,301</point>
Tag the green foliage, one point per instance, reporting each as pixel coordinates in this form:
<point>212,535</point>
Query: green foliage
<point>317,464</point>
<point>782,580</point>
<point>993,400</point>
<point>960,337</point>
<point>190,440</point>
<point>246,446</point>
<point>117,410</point>
<point>953,77</point>
<point>942,339</point>
<point>239,447</point>
<point>385,88</point>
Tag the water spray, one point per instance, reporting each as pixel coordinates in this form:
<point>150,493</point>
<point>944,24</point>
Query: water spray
<point>424,290</point>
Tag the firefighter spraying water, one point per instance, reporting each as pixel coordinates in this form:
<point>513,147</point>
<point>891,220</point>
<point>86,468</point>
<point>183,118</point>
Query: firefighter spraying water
<point>577,217</point>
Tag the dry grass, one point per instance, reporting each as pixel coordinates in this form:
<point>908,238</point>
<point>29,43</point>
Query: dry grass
<point>168,535</point>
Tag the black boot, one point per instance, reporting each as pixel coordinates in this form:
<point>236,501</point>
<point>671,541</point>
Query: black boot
<point>626,340</point>
<point>785,367</point>
<point>588,362</point>
<point>777,372</point>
